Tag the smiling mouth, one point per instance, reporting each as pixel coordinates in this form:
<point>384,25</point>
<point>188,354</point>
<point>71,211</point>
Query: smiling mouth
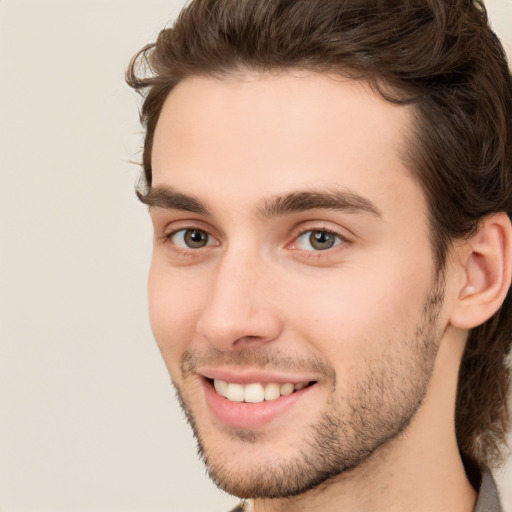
<point>256,392</point>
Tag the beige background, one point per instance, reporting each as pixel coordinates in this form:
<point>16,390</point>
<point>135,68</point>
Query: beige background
<point>88,420</point>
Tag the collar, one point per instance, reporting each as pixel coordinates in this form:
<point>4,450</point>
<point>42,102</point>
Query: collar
<point>488,497</point>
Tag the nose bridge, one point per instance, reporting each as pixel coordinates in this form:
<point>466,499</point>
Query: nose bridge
<point>234,282</point>
<point>237,310</point>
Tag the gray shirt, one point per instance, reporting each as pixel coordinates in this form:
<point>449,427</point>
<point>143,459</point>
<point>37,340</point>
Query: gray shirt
<point>488,498</point>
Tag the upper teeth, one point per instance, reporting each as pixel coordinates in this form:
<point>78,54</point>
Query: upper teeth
<point>255,392</point>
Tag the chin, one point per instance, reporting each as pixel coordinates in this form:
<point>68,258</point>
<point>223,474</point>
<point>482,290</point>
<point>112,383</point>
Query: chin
<point>254,464</point>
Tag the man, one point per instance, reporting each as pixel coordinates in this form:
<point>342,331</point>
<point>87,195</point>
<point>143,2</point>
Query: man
<point>330,187</point>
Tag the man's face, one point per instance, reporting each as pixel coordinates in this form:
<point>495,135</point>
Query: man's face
<point>291,252</point>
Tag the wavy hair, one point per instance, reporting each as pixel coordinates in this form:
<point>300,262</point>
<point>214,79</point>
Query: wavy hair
<point>441,57</point>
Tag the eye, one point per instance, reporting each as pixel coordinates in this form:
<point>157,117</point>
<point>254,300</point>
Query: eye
<point>191,238</point>
<point>318,240</point>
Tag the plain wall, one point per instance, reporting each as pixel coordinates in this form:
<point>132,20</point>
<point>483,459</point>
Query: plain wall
<point>88,420</point>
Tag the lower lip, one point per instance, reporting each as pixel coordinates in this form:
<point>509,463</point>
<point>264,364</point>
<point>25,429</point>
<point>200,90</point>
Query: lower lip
<point>247,415</point>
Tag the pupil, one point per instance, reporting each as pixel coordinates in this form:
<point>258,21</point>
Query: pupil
<point>321,240</point>
<point>195,238</point>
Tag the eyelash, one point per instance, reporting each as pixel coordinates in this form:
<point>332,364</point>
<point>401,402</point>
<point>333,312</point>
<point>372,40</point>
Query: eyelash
<point>300,233</point>
<point>186,251</point>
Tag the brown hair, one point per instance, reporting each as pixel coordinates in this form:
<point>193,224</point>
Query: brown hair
<point>439,56</point>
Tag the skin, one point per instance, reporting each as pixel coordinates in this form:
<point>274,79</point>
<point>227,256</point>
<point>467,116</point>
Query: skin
<point>367,320</point>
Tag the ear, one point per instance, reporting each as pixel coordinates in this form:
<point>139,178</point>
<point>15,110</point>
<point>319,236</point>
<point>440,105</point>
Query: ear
<point>486,261</point>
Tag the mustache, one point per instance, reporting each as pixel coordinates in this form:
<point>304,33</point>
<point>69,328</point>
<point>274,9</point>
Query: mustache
<point>257,358</point>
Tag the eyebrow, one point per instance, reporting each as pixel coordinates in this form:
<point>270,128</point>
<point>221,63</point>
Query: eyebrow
<point>325,199</point>
<point>170,199</point>
<point>275,206</point>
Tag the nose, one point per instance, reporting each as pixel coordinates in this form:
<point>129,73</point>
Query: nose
<point>239,312</point>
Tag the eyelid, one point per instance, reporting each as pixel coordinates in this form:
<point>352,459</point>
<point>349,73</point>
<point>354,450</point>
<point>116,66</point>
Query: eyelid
<point>343,234</point>
<point>172,227</point>
<point>168,231</point>
<point>211,241</point>
<point>303,237</point>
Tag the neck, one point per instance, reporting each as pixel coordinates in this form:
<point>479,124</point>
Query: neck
<point>420,470</point>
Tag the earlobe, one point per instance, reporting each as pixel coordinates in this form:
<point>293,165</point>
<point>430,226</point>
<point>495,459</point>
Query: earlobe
<point>487,269</point>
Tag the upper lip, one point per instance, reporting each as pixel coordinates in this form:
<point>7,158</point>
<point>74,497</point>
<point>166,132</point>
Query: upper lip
<point>249,376</point>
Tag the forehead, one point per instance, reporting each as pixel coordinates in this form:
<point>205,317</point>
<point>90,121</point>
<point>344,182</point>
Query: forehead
<point>235,140</point>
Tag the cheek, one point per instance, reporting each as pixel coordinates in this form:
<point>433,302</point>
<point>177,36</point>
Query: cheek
<point>175,306</point>
<point>357,313</point>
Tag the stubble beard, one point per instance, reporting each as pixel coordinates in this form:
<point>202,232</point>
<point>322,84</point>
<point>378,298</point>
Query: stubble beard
<point>377,411</point>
